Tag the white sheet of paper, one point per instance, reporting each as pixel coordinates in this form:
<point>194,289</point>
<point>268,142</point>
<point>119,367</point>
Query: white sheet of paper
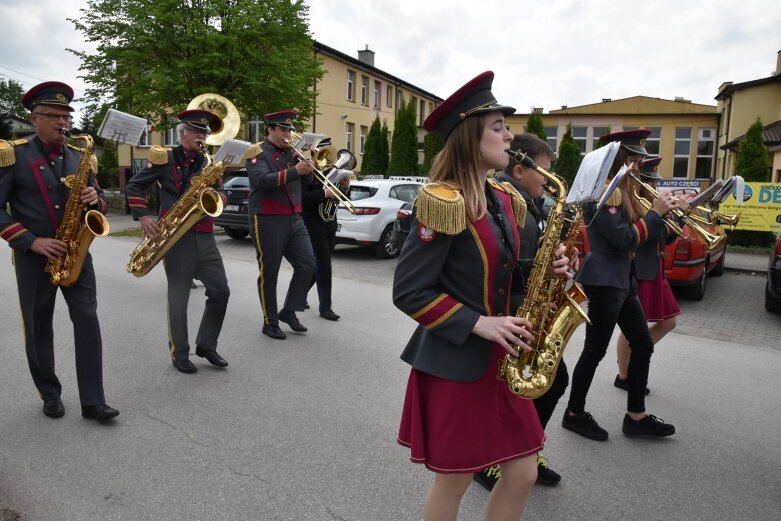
<point>121,127</point>
<point>592,173</point>
<point>232,152</point>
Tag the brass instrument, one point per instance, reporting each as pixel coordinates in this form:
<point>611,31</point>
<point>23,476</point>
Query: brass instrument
<point>321,159</point>
<point>327,209</point>
<point>75,232</point>
<point>711,241</point>
<point>722,218</point>
<point>220,105</point>
<point>531,374</point>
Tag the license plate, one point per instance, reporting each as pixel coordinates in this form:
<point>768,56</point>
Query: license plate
<point>231,207</point>
<point>338,227</point>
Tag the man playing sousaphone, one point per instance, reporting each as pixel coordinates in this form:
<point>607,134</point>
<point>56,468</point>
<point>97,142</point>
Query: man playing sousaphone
<point>195,253</point>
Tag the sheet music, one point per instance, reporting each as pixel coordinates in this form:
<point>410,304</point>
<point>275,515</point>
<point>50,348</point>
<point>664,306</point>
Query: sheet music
<point>592,173</point>
<point>707,194</point>
<point>310,140</point>
<point>740,189</point>
<point>232,152</point>
<point>121,127</point>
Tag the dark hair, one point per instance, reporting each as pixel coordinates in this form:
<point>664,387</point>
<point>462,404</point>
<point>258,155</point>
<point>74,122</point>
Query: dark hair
<point>530,145</point>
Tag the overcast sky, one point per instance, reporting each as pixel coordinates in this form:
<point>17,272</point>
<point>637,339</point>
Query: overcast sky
<point>544,54</point>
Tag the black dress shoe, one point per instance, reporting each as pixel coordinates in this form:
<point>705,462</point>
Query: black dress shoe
<point>100,412</point>
<point>185,366</point>
<point>213,357</point>
<point>273,331</point>
<point>53,407</point>
<point>329,315</point>
<point>290,318</point>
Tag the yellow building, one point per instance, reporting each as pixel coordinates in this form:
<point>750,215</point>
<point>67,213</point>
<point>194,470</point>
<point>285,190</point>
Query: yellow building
<point>740,104</point>
<point>347,99</point>
<point>682,133</point>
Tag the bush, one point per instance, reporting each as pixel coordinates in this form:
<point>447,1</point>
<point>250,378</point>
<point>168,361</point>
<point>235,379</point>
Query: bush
<point>751,239</point>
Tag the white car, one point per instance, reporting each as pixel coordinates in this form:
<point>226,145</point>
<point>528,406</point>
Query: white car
<point>376,204</point>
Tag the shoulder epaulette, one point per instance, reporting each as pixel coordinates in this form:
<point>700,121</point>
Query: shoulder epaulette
<point>7,154</point>
<point>20,141</point>
<point>158,155</point>
<point>93,164</point>
<point>74,147</point>
<point>614,199</point>
<point>517,200</point>
<point>439,206</point>
<point>254,150</point>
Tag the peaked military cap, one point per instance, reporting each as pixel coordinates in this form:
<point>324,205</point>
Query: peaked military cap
<point>632,140</point>
<point>649,169</point>
<point>53,93</point>
<point>201,119</point>
<point>283,118</point>
<point>473,98</point>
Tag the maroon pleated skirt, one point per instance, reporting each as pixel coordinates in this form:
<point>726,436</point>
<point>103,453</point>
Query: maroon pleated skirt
<point>657,297</point>
<point>458,427</point>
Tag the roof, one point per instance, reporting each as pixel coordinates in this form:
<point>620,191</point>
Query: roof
<point>379,72</point>
<point>728,88</point>
<point>771,135</point>
<point>638,105</point>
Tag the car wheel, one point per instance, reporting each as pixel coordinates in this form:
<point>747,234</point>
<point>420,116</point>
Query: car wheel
<point>718,269</point>
<point>386,247</point>
<point>772,305</point>
<point>236,233</point>
<point>697,290</point>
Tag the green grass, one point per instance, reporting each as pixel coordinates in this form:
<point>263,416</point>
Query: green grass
<point>130,232</point>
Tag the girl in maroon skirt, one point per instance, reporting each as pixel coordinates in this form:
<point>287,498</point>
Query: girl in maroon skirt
<point>653,290</point>
<point>453,277</point>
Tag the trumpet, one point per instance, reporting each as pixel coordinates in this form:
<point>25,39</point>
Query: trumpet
<point>711,240</point>
<point>322,159</point>
<point>730,220</point>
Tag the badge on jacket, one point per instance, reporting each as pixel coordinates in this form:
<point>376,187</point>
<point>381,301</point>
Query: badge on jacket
<point>425,233</point>
<point>612,210</point>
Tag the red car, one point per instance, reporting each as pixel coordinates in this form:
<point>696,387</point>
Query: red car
<point>687,261</point>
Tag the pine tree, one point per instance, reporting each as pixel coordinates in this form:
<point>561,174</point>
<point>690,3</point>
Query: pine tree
<point>373,162</point>
<point>752,162</point>
<point>385,148</point>
<point>534,126</point>
<point>568,159</point>
<point>404,146</point>
<point>432,144</point>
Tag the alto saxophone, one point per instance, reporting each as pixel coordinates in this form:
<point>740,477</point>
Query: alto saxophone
<point>531,374</point>
<point>200,199</point>
<point>75,232</point>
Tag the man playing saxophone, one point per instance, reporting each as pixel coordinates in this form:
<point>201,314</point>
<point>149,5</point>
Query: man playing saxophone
<point>33,185</point>
<point>195,254</point>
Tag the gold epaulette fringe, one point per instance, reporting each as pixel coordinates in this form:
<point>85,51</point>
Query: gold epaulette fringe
<point>614,199</point>
<point>253,151</point>
<point>158,155</point>
<point>7,154</point>
<point>93,164</point>
<point>516,199</point>
<point>440,207</point>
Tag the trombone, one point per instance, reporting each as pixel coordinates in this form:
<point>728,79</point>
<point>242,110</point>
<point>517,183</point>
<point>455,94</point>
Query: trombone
<point>322,158</point>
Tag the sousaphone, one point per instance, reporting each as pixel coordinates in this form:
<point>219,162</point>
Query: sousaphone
<point>223,107</point>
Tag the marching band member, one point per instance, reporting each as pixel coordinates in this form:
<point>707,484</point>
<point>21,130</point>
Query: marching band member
<point>608,278</point>
<point>453,277</point>
<point>277,227</point>
<point>32,185</point>
<point>653,290</point>
<point>195,254</point>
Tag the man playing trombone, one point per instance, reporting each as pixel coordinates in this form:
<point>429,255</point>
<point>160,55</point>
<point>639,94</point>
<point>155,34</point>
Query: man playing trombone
<point>277,227</point>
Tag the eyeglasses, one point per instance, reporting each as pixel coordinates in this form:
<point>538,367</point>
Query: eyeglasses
<point>55,117</point>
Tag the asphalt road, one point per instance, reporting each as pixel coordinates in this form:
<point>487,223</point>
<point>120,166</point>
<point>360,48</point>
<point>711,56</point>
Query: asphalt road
<point>305,429</point>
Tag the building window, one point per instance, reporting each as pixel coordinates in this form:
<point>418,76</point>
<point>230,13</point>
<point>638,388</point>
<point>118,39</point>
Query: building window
<point>579,135</point>
<point>253,128</point>
<point>681,152</point>
<point>399,98</point>
<point>652,143</point>
<point>377,91</point>
<point>389,96</point>
<point>350,85</point>
<point>596,134</point>
<point>365,90</point>
<point>362,142</point>
<point>169,138</point>
<point>422,114</point>
<point>146,135</point>
<point>551,134</point>
<point>430,107</point>
<point>705,146</point>
<point>350,130</point>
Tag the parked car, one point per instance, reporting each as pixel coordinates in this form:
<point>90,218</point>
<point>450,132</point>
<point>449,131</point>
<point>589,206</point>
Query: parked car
<point>401,225</point>
<point>687,261</point>
<point>773,287</point>
<point>234,218</point>
<point>376,203</point>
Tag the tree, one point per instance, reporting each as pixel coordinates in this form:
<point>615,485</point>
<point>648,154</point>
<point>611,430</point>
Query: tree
<point>598,143</point>
<point>404,145</point>
<point>385,147</point>
<point>11,94</point>
<point>534,126</point>
<point>108,166</point>
<point>568,159</point>
<point>154,56</point>
<point>6,131</point>
<point>373,161</point>
<point>432,144</point>
<point>752,163</point>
